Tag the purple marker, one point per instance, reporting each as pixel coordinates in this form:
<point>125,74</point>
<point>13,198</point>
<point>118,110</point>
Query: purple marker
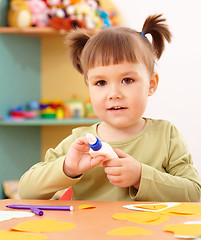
<point>36,211</point>
<point>36,208</point>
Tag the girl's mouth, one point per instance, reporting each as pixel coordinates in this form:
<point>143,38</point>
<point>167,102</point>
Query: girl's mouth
<point>116,108</point>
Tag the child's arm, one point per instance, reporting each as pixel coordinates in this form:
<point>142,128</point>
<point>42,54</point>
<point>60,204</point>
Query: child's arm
<point>61,164</point>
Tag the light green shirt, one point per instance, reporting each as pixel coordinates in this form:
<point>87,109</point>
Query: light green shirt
<point>167,169</point>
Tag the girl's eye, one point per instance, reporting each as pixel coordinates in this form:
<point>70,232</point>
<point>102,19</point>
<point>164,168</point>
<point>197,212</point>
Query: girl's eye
<point>127,80</point>
<point>101,83</point>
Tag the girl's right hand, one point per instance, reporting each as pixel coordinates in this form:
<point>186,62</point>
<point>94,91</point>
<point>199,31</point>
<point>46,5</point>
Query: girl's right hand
<point>78,159</point>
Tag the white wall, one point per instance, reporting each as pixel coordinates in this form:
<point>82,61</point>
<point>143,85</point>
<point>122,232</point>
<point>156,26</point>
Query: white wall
<point>178,97</point>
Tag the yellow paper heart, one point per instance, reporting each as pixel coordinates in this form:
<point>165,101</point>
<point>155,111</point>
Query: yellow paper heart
<point>129,231</point>
<point>142,217</point>
<point>10,235</point>
<point>184,209</point>
<point>44,225</point>
<point>184,229</point>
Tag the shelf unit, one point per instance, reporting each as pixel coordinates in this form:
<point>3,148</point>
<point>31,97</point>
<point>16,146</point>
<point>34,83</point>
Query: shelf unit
<point>24,143</point>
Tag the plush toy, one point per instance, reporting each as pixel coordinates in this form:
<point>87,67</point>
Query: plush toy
<point>82,11</point>
<point>19,15</point>
<point>55,8</point>
<point>105,18</point>
<point>40,13</point>
<point>65,24</point>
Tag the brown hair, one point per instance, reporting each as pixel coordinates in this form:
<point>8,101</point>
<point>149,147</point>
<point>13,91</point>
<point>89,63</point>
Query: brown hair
<point>117,44</point>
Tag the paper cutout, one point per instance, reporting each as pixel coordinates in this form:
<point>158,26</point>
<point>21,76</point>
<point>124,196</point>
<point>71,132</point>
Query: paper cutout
<point>156,207</point>
<point>184,209</point>
<point>193,230</point>
<point>187,237</point>
<point>142,217</point>
<point>7,215</point>
<point>10,235</point>
<point>129,231</point>
<point>84,206</point>
<point>193,222</point>
<point>153,207</point>
<point>44,225</point>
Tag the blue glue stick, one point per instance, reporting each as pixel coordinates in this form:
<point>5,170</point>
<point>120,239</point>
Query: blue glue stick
<point>100,148</point>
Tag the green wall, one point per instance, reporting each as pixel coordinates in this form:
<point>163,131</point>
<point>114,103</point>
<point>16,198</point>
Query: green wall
<point>20,147</point>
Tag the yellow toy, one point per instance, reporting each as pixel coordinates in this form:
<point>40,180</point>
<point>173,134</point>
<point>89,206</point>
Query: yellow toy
<point>19,15</point>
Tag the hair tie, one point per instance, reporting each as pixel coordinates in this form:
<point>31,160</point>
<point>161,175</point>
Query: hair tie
<point>143,34</point>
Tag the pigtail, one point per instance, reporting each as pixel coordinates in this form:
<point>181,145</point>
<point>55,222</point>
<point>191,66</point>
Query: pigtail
<point>159,31</point>
<point>76,41</point>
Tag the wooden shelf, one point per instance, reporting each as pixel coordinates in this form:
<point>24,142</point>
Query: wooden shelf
<point>39,31</point>
<point>50,122</point>
<point>32,31</point>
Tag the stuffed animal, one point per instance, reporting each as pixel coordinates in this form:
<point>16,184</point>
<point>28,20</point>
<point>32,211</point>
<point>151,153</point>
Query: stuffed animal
<point>40,13</point>
<point>65,24</point>
<point>82,11</point>
<point>19,15</point>
<point>54,6</point>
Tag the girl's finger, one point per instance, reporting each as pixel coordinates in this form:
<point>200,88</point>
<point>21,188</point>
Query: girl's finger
<point>120,153</point>
<point>116,162</point>
<point>97,160</point>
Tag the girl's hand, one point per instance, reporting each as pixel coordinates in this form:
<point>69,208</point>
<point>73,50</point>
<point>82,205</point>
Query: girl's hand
<point>124,171</point>
<point>78,160</point>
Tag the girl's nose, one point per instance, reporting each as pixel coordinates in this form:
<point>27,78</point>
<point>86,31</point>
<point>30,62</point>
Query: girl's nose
<point>114,92</point>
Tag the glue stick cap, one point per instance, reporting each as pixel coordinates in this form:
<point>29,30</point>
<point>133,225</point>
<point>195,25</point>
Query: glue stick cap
<point>94,143</point>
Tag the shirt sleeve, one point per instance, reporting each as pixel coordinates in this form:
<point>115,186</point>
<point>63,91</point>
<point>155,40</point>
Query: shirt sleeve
<point>44,179</point>
<point>179,182</point>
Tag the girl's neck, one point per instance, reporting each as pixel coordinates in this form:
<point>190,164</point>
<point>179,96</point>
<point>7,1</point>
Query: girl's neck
<point>109,133</point>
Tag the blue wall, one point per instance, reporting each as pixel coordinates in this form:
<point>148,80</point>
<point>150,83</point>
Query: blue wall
<point>20,147</point>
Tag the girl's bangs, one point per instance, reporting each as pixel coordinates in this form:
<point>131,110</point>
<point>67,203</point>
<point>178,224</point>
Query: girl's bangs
<point>114,47</point>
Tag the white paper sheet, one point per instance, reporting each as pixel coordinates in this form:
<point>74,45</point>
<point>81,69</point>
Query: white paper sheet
<point>134,206</point>
<point>7,215</point>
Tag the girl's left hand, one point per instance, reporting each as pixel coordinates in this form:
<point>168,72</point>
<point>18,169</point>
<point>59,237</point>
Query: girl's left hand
<point>124,171</point>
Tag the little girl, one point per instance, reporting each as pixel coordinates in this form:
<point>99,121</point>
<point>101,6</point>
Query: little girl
<point>153,161</point>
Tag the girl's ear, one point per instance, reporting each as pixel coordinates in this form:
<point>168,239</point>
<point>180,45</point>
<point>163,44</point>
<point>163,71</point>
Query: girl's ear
<point>153,83</point>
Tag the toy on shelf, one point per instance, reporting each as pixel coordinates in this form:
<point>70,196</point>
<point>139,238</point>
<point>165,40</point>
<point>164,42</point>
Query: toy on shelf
<point>52,109</point>
<point>48,113</point>
<point>19,113</point>
<point>56,109</point>
<point>19,14</point>
<point>62,15</point>
<point>39,12</point>
<point>34,107</point>
<point>76,106</point>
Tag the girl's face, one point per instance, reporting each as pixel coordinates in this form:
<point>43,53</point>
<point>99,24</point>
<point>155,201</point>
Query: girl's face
<point>119,92</point>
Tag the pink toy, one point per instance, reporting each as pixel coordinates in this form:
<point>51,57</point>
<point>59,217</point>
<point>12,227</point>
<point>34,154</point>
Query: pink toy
<point>39,11</point>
